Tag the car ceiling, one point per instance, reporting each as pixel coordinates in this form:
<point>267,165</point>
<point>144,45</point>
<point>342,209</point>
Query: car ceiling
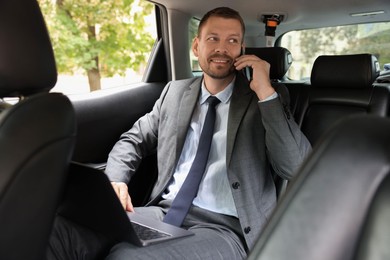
<point>299,14</point>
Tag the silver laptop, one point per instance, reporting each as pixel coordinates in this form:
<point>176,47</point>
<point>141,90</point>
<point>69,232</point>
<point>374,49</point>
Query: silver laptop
<point>89,200</point>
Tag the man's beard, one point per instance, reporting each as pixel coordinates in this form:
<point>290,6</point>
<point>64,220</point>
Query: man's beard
<point>218,74</point>
<point>221,75</point>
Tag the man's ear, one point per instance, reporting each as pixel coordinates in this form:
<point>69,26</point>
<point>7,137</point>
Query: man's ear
<point>195,45</point>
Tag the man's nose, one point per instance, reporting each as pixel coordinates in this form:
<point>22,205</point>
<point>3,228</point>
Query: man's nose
<point>221,48</point>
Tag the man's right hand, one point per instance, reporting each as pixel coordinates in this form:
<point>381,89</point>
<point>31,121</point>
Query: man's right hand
<point>121,191</point>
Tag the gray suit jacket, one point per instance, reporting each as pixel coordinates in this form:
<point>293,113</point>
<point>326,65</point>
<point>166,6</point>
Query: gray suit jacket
<point>259,135</point>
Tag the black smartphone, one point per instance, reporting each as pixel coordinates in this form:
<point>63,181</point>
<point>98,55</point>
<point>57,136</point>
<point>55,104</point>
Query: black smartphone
<point>247,71</point>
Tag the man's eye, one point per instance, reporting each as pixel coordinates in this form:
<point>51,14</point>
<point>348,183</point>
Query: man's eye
<point>212,39</point>
<point>233,40</point>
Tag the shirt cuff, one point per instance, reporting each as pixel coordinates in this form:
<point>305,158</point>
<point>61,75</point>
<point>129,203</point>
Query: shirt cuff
<point>273,96</point>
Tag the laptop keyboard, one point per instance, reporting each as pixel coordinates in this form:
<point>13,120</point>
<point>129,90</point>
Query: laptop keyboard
<point>146,233</point>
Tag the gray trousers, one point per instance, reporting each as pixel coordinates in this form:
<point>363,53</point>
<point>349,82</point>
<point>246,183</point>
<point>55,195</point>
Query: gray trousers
<point>216,236</point>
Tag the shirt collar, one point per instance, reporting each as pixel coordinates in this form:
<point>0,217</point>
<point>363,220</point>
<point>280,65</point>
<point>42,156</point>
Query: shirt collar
<point>224,96</point>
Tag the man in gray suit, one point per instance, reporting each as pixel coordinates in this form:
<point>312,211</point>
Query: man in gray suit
<point>253,133</point>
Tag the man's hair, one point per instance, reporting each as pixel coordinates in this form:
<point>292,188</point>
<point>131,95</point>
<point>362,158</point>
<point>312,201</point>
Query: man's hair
<point>223,12</point>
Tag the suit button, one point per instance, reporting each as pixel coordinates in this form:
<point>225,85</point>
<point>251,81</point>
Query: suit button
<point>247,230</point>
<point>236,185</point>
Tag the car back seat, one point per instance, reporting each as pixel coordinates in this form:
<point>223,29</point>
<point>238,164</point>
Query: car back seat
<point>341,86</point>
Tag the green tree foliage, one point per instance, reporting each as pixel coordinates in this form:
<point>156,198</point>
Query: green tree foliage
<point>319,41</point>
<point>364,38</point>
<point>375,40</point>
<point>193,31</point>
<point>103,38</point>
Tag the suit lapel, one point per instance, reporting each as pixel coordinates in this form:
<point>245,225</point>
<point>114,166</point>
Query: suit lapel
<point>241,98</point>
<point>187,106</point>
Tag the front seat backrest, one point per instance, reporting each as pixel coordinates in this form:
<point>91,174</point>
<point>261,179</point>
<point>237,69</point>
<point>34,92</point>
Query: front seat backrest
<point>279,58</point>
<point>36,134</point>
<point>323,215</point>
<point>341,85</point>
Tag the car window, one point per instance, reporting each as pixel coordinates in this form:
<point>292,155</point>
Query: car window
<point>193,31</point>
<point>99,44</point>
<point>306,45</point>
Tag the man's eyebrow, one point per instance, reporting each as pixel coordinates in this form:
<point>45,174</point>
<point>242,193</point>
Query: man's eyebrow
<point>217,34</point>
<point>236,36</point>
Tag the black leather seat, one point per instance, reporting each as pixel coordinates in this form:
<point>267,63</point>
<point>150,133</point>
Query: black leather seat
<point>36,134</point>
<point>279,58</point>
<point>338,206</point>
<point>341,85</point>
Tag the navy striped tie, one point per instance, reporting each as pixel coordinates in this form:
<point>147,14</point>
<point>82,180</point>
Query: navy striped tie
<point>183,200</point>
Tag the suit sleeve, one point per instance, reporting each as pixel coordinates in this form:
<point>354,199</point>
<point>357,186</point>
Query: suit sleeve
<point>287,146</point>
<point>133,145</point>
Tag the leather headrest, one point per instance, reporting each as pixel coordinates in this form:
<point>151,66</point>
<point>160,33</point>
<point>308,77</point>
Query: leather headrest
<point>279,58</point>
<point>346,71</point>
<point>27,64</point>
